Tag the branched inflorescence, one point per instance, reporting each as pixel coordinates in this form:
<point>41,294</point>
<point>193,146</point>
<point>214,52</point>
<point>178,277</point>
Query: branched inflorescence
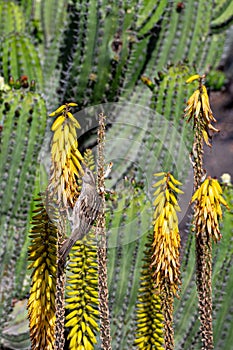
<point>207,210</point>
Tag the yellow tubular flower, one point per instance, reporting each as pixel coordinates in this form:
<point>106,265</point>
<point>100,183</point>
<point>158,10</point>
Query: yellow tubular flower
<point>192,78</point>
<point>209,212</point>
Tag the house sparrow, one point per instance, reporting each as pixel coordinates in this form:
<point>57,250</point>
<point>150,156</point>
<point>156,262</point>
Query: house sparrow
<point>85,212</point>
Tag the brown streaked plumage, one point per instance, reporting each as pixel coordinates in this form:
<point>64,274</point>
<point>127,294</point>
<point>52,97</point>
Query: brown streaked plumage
<point>84,213</point>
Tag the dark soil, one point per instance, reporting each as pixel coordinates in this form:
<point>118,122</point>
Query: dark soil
<point>219,158</point>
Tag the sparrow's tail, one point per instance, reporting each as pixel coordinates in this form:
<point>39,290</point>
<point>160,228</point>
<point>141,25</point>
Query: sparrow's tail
<point>65,248</point>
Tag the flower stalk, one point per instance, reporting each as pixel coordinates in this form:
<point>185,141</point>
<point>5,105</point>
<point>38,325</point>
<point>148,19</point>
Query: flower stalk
<point>102,248</point>
<point>207,210</point>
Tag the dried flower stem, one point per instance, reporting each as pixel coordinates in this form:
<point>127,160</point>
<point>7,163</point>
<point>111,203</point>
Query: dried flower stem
<point>203,252</point>
<point>102,249</point>
<point>206,228</point>
<point>167,300</point>
<point>60,293</point>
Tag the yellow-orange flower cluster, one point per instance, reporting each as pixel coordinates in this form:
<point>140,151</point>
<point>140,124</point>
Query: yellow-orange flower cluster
<point>198,107</point>
<point>166,241</point>
<point>66,157</point>
<point>208,209</point>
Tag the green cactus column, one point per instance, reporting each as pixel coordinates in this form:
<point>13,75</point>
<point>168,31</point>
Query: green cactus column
<point>23,121</point>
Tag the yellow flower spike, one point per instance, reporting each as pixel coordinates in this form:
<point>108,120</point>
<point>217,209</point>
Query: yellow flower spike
<point>41,303</point>
<point>65,169</point>
<point>166,235</point>
<point>82,299</point>
<point>149,327</point>
<point>198,108</point>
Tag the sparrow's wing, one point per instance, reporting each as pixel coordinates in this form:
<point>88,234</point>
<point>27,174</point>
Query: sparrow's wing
<point>65,248</point>
<point>86,211</point>
<point>89,208</point>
